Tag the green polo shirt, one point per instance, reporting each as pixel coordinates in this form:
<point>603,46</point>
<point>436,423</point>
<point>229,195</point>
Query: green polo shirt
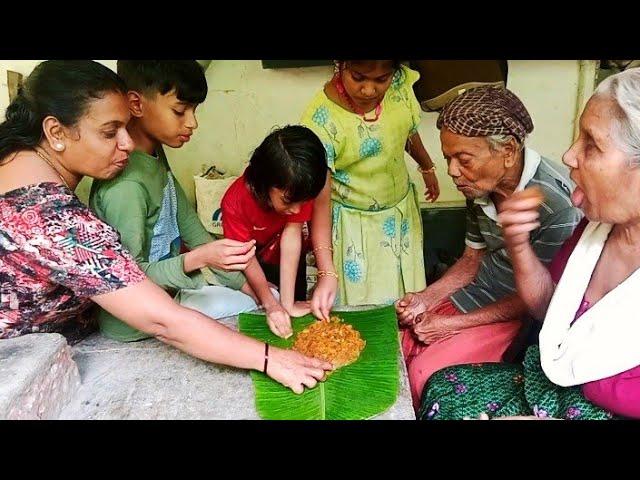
<point>131,203</point>
<point>558,218</point>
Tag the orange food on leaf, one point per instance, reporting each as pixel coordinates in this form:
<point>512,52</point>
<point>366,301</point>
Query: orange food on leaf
<point>333,341</point>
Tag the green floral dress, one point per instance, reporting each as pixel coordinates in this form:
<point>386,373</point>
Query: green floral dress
<point>377,227</point>
<point>502,390</point>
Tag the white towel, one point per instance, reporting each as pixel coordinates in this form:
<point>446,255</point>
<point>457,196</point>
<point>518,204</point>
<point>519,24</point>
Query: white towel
<point>605,340</point>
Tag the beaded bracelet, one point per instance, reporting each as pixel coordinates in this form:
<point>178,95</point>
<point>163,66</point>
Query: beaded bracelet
<point>428,170</point>
<point>323,248</point>
<point>327,273</point>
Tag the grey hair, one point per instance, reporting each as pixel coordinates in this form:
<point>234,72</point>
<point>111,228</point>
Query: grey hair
<point>624,89</point>
<point>498,141</point>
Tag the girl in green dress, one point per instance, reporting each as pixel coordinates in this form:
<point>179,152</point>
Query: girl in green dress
<point>367,116</point>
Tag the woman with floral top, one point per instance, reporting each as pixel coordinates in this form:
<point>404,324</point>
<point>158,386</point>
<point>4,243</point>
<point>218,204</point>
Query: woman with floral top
<point>69,120</point>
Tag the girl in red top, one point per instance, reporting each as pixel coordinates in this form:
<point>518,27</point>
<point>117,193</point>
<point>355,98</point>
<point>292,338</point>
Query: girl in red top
<point>269,204</point>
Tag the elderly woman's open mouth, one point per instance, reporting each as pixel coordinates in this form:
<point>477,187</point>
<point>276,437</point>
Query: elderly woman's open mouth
<point>577,196</point>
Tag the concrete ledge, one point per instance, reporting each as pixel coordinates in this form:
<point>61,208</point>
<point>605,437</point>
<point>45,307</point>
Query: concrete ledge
<point>38,377</point>
<point>150,380</point>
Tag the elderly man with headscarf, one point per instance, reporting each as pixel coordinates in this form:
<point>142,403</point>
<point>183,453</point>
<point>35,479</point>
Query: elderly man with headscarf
<point>473,313</point>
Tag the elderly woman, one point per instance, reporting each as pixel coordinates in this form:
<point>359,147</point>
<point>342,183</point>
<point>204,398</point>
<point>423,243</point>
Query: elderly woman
<point>56,256</point>
<point>587,364</point>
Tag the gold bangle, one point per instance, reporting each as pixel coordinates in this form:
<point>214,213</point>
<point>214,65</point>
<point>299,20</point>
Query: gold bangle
<point>428,170</point>
<point>323,248</point>
<point>327,273</point>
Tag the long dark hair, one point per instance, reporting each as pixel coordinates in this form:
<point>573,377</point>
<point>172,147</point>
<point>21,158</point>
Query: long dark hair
<point>59,88</point>
<point>291,159</point>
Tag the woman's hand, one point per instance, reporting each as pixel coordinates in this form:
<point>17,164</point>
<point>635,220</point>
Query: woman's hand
<point>519,216</point>
<point>294,370</point>
<point>278,320</point>
<point>323,297</point>
<point>432,188</point>
<point>198,335</point>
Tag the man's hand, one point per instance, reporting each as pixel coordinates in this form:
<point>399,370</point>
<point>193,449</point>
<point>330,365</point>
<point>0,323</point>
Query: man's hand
<point>432,327</point>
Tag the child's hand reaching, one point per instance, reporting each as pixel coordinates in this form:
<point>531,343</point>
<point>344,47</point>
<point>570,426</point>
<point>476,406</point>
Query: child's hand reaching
<point>225,254</point>
<point>432,191</point>
<point>299,309</point>
<point>324,296</point>
<point>279,321</point>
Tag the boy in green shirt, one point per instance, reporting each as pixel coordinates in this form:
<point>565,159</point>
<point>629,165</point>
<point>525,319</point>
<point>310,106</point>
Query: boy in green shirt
<point>150,210</point>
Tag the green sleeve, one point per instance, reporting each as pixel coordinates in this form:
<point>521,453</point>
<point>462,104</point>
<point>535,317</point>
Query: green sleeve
<point>123,205</point>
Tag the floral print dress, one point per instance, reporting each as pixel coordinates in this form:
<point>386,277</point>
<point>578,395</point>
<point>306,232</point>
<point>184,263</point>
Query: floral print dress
<point>377,227</point>
<point>502,390</point>
<point>54,255</point>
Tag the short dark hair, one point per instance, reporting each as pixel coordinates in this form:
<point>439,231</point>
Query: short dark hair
<point>63,89</point>
<point>151,77</point>
<point>292,159</point>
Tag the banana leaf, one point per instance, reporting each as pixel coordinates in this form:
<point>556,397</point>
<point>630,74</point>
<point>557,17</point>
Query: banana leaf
<point>358,391</point>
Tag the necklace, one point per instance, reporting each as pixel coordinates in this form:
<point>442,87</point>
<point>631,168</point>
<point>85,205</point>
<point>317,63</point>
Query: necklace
<point>50,163</point>
<point>337,82</point>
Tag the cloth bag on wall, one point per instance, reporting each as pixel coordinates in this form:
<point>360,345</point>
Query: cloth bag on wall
<point>209,193</point>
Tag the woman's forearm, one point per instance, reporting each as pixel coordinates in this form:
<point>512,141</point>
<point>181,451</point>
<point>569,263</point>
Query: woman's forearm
<point>147,307</point>
<point>533,280</point>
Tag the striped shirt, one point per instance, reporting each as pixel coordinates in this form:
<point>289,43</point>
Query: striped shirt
<point>558,218</point>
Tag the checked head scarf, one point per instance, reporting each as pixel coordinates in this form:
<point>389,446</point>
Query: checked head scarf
<point>484,111</point>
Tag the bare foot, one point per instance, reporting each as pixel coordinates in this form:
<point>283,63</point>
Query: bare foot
<point>409,307</point>
<point>299,309</point>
